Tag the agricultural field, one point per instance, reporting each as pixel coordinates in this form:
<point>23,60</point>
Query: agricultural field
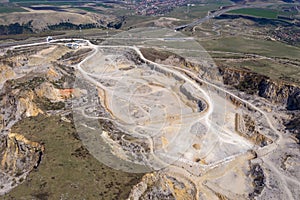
<point>252,46</point>
<point>10,9</point>
<point>256,12</point>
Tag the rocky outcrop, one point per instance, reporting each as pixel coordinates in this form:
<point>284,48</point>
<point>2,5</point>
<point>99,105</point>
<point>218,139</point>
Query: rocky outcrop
<point>75,57</point>
<point>53,94</point>
<point>8,109</point>
<point>6,73</point>
<point>162,186</point>
<point>252,83</point>
<point>27,106</point>
<point>47,90</point>
<point>279,92</point>
<point>246,127</point>
<point>293,102</point>
<point>52,74</point>
<point>1,122</point>
<point>245,81</point>
<point>293,125</point>
<point>18,156</point>
<point>259,179</point>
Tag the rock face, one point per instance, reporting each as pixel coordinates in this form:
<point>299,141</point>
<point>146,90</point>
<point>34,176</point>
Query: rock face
<point>162,186</point>
<point>18,156</point>
<point>246,127</point>
<point>47,90</point>
<point>294,101</point>
<point>280,93</point>
<point>27,106</point>
<point>253,83</point>
<point>6,73</point>
<point>293,125</point>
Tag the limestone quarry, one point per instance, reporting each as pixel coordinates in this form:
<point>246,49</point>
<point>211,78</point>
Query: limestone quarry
<point>155,104</point>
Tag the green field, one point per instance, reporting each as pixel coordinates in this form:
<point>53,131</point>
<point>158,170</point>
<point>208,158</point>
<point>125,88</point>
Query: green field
<point>284,9</point>
<point>28,4</point>
<point>253,46</point>
<point>8,9</point>
<point>89,9</point>
<point>256,12</point>
<point>92,9</point>
<point>269,68</point>
<point>103,5</point>
<point>237,47</point>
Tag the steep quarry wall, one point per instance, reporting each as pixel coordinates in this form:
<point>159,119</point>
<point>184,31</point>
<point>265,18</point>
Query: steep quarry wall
<point>18,156</point>
<point>273,90</point>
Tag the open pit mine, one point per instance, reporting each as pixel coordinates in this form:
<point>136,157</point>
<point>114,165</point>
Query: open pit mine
<point>149,101</point>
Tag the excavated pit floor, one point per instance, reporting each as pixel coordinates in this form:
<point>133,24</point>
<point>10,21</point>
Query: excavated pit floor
<point>160,107</point>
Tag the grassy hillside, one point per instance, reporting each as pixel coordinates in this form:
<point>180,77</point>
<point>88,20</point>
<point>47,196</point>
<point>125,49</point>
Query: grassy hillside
<point>67,170</point>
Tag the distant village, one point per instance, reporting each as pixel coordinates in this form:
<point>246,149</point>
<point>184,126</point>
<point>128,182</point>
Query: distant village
<point>158,7</point>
